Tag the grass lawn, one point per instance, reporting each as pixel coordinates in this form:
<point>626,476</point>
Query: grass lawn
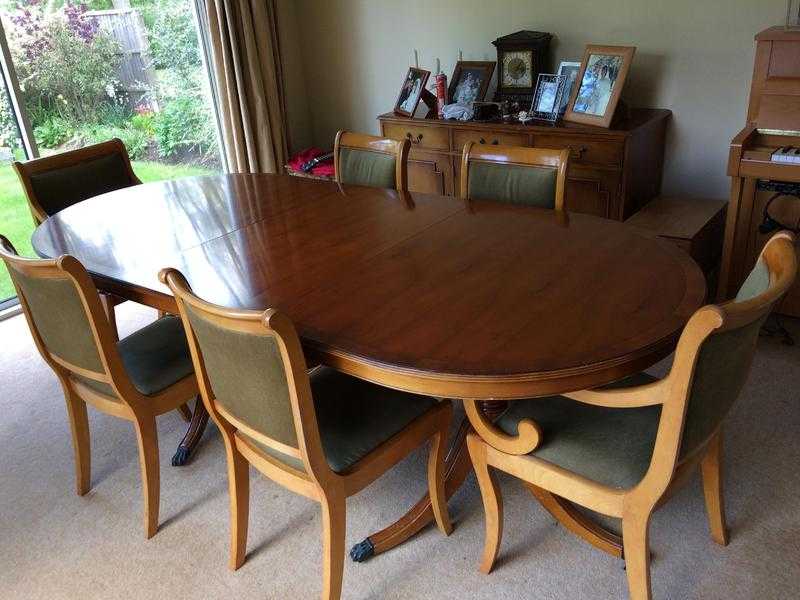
<point>15,219</point>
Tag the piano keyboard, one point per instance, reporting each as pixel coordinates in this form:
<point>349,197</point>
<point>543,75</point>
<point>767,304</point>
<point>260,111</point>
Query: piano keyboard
<point>787,155</point>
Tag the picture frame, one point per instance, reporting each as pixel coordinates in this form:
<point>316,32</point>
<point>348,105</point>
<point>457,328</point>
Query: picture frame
<point>604,70</point>
<point>411,91</point>
<point>546,103</point>
<point>570,70</point>
<point>470,81</point>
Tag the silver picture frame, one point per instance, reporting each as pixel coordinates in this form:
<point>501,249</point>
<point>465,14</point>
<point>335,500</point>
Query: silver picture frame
<point>546,104</point>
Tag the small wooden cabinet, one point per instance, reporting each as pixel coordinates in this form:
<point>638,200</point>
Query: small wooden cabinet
<point>612,173</point>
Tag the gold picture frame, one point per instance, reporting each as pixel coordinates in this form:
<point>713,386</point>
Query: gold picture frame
<point>596,94</point>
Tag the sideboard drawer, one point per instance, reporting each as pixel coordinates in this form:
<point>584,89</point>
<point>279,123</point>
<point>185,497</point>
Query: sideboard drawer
<point>492,138</point>
<point>583,150</point>
<point>435,138</point>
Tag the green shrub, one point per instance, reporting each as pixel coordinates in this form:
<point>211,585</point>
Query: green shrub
<point>185,123</point>
<point>53,132</point>
<point>135,140</point>
<point>173,39</point>
<point>144,122</point>
<point>65,64</point>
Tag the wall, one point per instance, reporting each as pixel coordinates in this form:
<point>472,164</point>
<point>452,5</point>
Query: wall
<point>694,57</point>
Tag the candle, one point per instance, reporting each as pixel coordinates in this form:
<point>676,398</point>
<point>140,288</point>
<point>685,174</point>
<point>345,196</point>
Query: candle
<point>460,55</point>
<point>438,67</point>
<point>416,58</point>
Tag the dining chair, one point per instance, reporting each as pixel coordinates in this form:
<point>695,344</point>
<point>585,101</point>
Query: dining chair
<point>621,451</point>
<point>53,183</point>
<point>324,435</point>
<point>361,159</point>
<point>513,174</point>
<point>146,374</point>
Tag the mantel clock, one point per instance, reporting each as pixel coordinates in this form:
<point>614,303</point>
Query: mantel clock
<point>521,56</point>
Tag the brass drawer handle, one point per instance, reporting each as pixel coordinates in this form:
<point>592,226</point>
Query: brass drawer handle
<point>414,141</point>
<point>483,141</point>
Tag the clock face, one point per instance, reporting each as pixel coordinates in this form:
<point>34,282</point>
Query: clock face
<point>518,69</point>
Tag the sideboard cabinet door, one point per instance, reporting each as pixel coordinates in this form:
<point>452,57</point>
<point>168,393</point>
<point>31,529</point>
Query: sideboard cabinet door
<point>430,173</point>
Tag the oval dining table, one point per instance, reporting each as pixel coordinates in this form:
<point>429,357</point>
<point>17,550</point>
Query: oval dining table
<point>429,294</point>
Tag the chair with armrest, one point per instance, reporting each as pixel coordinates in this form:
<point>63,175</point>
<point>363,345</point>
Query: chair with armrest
<point>622,450</point>
<point>53,183</point>
<point>137,378</point>
<point>361,159</point>
<point>516,175</point>
<point>324,435</point>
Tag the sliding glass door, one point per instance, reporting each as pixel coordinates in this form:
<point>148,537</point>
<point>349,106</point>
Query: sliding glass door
<point>88,72</point>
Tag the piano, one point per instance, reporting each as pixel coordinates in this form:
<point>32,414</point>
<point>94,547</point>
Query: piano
<point>764,163</point>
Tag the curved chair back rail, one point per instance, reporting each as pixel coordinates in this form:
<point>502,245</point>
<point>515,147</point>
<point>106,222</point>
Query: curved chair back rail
<point>710,367</point>
<point>53,183</point>
<point>517,175</point>
<point>371,161</point>
<point>145,375</point>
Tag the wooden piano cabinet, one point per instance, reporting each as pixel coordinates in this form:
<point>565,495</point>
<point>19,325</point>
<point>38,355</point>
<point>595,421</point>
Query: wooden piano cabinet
<point>613,172</point>
<point>773,121</point>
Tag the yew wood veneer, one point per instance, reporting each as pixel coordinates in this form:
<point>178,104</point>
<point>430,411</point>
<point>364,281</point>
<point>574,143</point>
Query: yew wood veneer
<point>424,293</point>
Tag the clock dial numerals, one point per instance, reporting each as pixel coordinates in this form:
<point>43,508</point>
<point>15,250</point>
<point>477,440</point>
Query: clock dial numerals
<point>517,69</point>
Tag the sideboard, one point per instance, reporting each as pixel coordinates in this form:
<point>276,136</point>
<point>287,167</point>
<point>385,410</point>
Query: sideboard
<point>612,172</point>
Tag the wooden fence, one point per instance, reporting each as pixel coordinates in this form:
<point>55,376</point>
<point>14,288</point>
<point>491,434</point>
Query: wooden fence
<point>135,71</point>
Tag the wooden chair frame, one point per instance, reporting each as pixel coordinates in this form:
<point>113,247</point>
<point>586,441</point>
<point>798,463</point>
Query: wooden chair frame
<point>360,141</point>
<point>127,403</point>
<point>318,482</point>
<point>516,155</point>
<point>26,170</point>
<point>491,447</point>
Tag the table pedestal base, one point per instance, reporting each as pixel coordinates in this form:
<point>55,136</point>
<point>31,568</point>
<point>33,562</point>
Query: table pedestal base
<point>458,467</point>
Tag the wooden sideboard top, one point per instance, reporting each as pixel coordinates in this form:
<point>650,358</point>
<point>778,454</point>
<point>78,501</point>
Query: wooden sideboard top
<point>636,119</point>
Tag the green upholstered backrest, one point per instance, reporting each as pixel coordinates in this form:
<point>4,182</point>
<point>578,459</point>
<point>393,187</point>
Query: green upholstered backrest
<point>364,167</point>
<point>57,189</point>
<point>723,366</point>
<point>58,314</point>
<point>515,184</point>
<point>247,376</point>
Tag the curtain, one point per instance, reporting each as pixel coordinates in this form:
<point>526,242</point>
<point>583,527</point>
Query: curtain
<point>246,63</point>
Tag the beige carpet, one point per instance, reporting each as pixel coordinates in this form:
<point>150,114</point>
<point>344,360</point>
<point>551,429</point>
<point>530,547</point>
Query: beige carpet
<point>54,544</point>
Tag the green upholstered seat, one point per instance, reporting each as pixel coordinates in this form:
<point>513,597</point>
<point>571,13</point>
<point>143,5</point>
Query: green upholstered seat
<point>363,167</point>
<point>514,184</point>
<point>155,357</point>
<point>57,189</point>
<point>612,446</point>
<point>356,416</point>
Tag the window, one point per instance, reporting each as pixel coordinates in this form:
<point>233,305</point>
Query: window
<point>88,72</point>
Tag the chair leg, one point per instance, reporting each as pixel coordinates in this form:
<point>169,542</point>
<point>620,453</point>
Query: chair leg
<point>492,502</point>
<point>436,469</point>
<point>635,534</point>
<point>108,307</point>
<point>147,438</point>
<point>79,424</point>
<point>333,533</point>
<point>239,496</point>
<point>711,470</point>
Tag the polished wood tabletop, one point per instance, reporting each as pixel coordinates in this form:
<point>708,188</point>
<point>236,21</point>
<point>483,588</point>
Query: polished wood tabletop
<point>421,292</point>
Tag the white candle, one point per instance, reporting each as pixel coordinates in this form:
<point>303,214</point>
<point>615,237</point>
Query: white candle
<point>438,67</point>
<point>416,58</point>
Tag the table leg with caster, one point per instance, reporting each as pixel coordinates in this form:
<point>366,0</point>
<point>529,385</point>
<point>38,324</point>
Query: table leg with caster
<point>458,467</point>
<point>197,426</point>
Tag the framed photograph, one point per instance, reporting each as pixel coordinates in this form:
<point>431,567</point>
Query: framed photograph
<point>547,99</point>
<point>410,92</point>
<point>599,84</point>
<point>569,70</point>
<point>470,81</point>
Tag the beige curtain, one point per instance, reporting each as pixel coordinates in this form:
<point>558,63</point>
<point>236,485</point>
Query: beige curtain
<point>246,63</point>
